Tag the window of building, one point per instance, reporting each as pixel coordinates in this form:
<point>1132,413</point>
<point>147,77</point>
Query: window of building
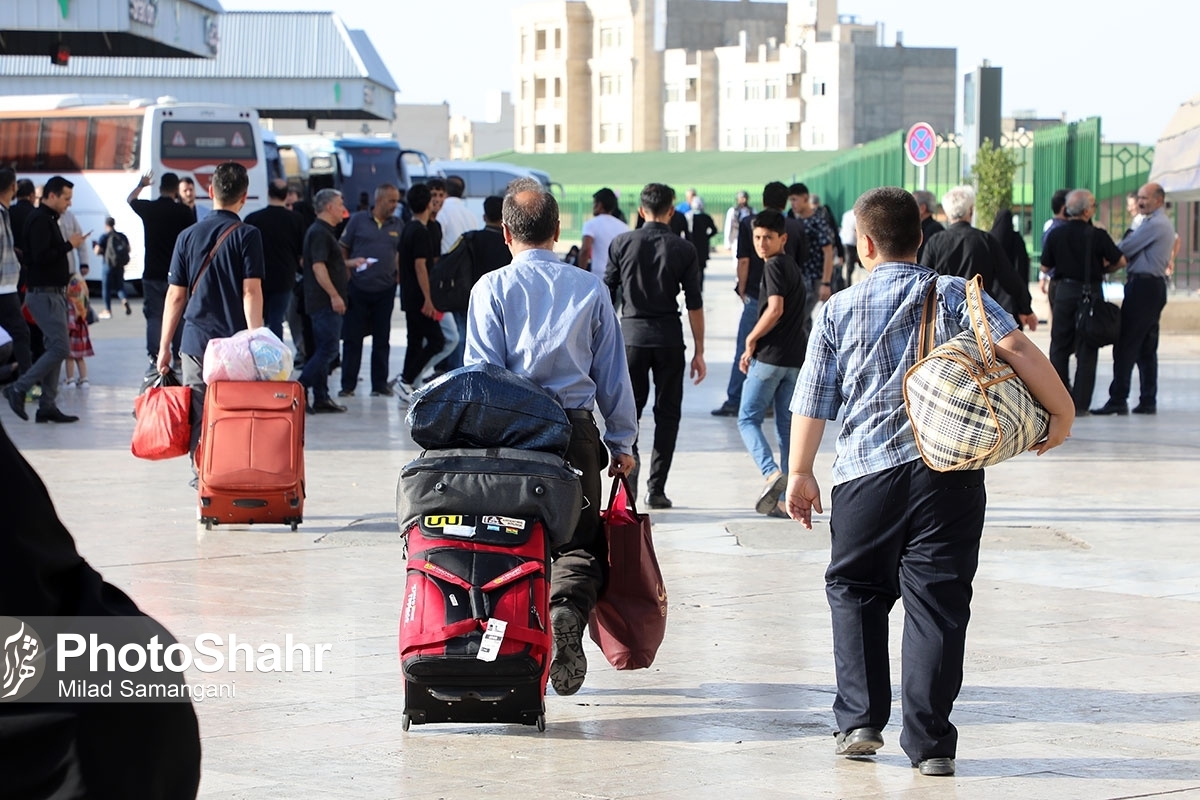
<point>540,39</point>
<point>539,134</point>
<point>730,138</point>
<point>753,140</point>
<point>539,88</point>
<point>818,89</point>
<point>610,85</point>
<point>610,37</point>
<point>620,132</point>
<point>753,90</point>
<point>730,91</point>
<point>673,140</point>
<point>674,93</point>
<point>558,134</point>
<point>774,139</point>
<point>772,91</point>
<point>558,38</point>
<point>558,92</point>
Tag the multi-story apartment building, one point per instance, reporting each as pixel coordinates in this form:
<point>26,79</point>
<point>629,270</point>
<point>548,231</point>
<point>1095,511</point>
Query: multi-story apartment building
<point>679,75</point>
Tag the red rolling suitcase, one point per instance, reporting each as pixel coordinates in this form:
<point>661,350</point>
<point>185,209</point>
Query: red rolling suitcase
<point>251,454</point>
<point>475,624</point>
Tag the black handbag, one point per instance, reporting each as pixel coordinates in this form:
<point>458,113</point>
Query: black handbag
<point>1096,320</point>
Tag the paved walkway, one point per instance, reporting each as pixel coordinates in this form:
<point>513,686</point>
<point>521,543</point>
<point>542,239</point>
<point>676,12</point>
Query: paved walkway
<point>1083,662</point>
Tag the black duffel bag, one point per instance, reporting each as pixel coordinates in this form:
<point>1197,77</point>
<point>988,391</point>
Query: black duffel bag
<point>494,481</point>
<point>1097,320</point>
<point>481,406</point>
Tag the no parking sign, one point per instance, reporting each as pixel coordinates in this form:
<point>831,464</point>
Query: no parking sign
<point>920,144</point>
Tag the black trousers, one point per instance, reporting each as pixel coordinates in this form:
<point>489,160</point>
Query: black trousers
<point>367,314</point>
<point>13,321</point>
<point>425,341</point>
<point>913,533</point>
<point>666,366</point>
<point>580,566</point>
<point>1065,342</point>
<point>1145,298</point>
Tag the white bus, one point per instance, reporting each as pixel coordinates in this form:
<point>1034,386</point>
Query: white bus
<point>102,144</point>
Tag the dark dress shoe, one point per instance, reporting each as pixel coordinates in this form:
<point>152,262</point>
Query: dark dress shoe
<point>16,401</point>
<point>726,410</point>
<point>327,406</point>
<point>55,416</point>
<point>1143,408</point>
<point>659,501</point>
<point>1119,409</point>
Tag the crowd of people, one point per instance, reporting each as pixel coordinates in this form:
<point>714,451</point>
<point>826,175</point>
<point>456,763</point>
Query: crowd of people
<point>814,344</point>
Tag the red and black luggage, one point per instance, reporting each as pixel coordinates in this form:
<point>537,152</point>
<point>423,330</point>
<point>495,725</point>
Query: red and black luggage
<point>251,454</point>
<point>475,622</point>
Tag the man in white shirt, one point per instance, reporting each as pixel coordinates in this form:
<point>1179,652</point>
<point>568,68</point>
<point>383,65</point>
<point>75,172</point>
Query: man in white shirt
<point>454,216</point>
<point>849,237</point>
<point>599,231</point>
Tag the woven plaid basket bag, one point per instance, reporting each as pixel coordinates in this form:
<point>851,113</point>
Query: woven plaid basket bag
<point>968,408</point>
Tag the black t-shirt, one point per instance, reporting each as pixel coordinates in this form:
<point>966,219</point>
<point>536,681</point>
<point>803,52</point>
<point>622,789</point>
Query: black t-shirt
<point>321,246</point>
<point>18,215</point>
<point>215,309</point>
<point>650,266</point>
<point>489,251</point>
<point>164,220</point>
<point>795,248</point>
<point>415,243</point>
<point>283,245</point>
<point>1066,248</point>
<point>435,241</point>
<point>783,345</point>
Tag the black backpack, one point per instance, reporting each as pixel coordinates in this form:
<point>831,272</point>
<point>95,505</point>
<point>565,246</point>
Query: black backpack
<point>116,250</point>
<point>453,275</point>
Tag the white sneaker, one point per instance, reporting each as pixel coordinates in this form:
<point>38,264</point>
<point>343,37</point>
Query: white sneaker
<point>83,383</point>
<point>404,392</point>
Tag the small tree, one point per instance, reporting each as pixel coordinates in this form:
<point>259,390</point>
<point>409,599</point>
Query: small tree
<point>993,172</point>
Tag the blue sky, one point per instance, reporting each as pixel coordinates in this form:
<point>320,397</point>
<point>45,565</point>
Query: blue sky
<point>1130,63</point>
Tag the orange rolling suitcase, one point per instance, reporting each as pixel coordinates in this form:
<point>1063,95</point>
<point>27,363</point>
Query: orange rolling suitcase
<point>251,454</point>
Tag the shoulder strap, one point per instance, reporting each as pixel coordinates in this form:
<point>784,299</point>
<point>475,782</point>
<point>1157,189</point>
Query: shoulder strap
<point>979,323</point>
<point>928,321</point>
<point>211,253</point>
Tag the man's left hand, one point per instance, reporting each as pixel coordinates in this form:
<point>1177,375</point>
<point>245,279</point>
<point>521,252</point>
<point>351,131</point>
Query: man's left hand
<point>824,292</point>
<point>1029,321</point>
<point>699,370</point>
<point>622,464</point>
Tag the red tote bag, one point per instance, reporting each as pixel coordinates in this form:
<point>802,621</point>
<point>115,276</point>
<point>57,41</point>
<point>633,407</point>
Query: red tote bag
<point>162,429</point>
<point>630,619</point>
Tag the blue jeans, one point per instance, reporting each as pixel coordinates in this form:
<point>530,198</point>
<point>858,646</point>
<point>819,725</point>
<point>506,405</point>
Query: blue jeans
<point>450,339</point>
<point>112,282</point>
<point>458,357</point>
<point>275,310</point>
<point>767,384</point>
<point>327,332</point>
<point>733,394</point>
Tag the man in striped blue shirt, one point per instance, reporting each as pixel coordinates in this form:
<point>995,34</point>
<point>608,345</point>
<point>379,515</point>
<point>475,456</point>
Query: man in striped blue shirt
<point>897,528</point>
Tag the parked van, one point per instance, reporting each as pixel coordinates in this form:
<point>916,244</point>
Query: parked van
<point>486,178</point>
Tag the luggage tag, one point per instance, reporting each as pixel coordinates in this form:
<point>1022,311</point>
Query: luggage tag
<point>493,637</point>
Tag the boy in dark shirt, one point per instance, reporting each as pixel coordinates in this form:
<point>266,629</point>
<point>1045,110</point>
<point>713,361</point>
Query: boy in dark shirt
<point>773,356</point>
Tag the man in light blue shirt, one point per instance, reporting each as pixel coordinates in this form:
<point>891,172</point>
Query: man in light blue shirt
<point>1149,249</point>
<point>555,324</point>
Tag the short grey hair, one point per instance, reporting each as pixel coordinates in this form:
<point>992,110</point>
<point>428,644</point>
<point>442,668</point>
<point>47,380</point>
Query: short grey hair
<point>926,199</point>
<point>958,202</point>
<point>533,220</point>
<point>1078,202</point>
<point>324,199</point>
<point>383,190</point>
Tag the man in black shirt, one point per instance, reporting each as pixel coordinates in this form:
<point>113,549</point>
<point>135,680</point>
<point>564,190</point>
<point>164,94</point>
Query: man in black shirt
<point>47,273</point>
<point>283,243</point>
<point>163,219</point>
<point>647,267</point>
<point>215,301</point>
<point>325,286</point>
<point>488,252</point>
<point>18,213</point>
<point>927,204</point>
<point>417,254</point>
<point>773,356</point>
<point>1079,255</point>
<point>966,251</point>
<point>749,276</point>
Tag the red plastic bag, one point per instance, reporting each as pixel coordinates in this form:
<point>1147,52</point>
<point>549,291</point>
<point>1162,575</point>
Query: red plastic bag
<point>630,619</point>
<point>163,429</point>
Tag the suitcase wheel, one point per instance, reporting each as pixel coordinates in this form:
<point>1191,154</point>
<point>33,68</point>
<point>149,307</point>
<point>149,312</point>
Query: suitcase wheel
<point>541,723</point>
<point>405,722</point>
<point>295,526</point>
